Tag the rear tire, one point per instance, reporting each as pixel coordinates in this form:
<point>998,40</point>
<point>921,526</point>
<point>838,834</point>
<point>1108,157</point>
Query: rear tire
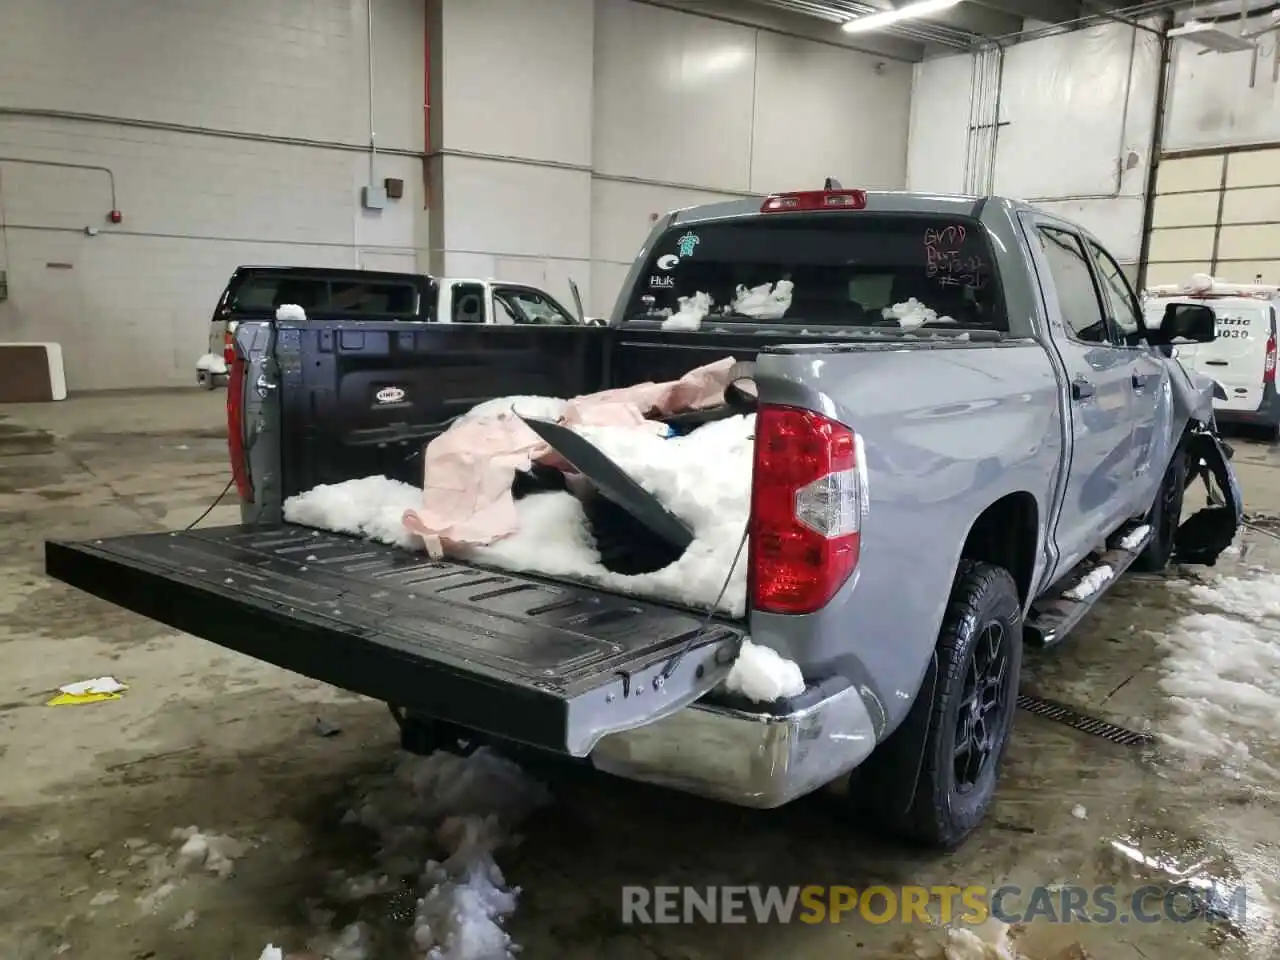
<point>1164,516</point>
<point>932,781</point>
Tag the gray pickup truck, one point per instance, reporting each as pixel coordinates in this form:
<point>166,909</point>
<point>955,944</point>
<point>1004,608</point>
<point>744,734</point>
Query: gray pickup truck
<point>964,436</point>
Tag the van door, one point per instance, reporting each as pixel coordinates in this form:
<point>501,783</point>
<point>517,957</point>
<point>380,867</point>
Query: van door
<point>1237,358</point>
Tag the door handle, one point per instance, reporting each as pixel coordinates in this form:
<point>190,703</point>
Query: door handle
<point>1081,390</point>
<point>1140,380</point>
<point>1216,363</point>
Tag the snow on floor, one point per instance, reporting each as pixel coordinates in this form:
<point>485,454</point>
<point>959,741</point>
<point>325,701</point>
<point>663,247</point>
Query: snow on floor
<point>1222,674</point>
<point>1090,583</point>
<point>438,822</point>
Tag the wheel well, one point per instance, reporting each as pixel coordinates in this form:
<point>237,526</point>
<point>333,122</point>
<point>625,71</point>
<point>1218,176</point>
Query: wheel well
<point>1005,535</point>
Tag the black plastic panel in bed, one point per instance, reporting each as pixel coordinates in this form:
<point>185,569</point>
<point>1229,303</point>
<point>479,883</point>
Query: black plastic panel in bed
<point>552,665</point>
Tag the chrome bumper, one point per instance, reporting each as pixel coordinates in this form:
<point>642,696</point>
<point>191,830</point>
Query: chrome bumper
<point>747,759</point>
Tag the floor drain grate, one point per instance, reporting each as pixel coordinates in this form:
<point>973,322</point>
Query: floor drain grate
<point>1059,713</point>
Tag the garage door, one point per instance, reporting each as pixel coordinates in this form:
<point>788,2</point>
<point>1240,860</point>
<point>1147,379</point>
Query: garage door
<point>1217,214</point>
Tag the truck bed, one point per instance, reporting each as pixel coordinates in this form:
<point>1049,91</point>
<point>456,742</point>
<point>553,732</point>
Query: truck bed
<point>552,665</point>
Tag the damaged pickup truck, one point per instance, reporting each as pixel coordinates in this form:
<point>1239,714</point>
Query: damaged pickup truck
<point>963,435</point>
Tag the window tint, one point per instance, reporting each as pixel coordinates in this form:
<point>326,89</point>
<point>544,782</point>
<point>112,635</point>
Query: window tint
<point>1073,281</point>
<point>264,292</point>
<point>1121,303</point>
<point>843,269</point>
<point>528,306</point>
<point>359,297</point>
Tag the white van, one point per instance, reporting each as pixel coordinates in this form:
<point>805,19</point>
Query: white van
<point>1242,359</point>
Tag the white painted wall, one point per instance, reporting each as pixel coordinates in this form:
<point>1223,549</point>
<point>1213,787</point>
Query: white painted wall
<point>235,131</point>
<point>632,110</point>
<point>1224,99</point>
<point>1077,113</point>
<point>215,169</point>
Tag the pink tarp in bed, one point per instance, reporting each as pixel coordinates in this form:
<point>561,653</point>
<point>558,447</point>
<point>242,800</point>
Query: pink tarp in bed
<point>471,466</point>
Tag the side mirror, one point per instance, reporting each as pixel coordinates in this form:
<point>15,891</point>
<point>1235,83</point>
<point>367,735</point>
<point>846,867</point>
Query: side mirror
<point>1185,323</point>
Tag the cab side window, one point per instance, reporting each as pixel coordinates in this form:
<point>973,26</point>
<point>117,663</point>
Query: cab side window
<point>1122,305</point>
<point>1073,280</point>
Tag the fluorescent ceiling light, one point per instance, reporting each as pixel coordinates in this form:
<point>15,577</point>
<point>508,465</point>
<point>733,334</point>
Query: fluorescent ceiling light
<point>909,11</point>
<point>1212,37</point>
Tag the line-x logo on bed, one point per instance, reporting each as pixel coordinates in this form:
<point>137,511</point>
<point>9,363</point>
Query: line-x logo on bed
<point>389,395</point>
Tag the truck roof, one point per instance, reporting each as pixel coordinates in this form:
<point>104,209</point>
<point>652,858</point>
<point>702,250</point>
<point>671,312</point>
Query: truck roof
<point>355,272</point>
<point>877,201</point>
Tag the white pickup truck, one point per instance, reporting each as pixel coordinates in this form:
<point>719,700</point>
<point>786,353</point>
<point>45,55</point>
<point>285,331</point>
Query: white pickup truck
<point>255,293</point>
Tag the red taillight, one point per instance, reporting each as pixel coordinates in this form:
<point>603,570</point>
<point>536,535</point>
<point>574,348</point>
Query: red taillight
<point>228,348</point>
<point>1269,368</point>
<point>806,510</point>
<point>235,425</point>
<point>815,200</point>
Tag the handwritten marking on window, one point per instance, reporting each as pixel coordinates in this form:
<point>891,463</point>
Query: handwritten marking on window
<point>946,262</point>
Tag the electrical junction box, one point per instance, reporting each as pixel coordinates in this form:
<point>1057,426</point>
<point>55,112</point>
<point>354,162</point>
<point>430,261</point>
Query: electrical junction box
<point>4,286</point>
<point>373,197</point>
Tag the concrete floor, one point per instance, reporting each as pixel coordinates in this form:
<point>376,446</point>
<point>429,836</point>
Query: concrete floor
<point>89,795</point>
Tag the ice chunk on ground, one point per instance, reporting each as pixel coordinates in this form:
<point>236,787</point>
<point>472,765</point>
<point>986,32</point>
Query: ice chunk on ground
<point>762,674</point>
<point>290,313</point>
<point>1251,597</point>
<point>544,408</point>
<point>1079,812</point>
<point>370,507</point>
<point>271,952</point>
<point>1090,583</point>
<point>765,302</point>
<point>439,820</point>
<point>1222,676</point>
<point>1134,537</point>
<point>212,852</point>
<point>693,310</point>
<point>912,314</point>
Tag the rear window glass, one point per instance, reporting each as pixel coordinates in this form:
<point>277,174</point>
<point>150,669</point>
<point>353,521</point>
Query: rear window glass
<point>839,269</point>
<point>319,295</point>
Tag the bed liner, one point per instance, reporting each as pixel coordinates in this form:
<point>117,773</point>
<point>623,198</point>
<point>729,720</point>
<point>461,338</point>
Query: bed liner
<point>549,664</point>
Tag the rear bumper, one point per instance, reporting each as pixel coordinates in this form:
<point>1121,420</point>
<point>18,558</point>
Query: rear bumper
<point>747,759</point>
<point>1268,410</point>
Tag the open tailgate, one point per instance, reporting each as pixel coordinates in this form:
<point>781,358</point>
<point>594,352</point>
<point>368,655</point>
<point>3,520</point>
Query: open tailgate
<point>548,664</point>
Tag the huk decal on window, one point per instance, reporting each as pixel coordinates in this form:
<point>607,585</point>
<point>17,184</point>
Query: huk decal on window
<point>686,244</point>
<point>661,283</point>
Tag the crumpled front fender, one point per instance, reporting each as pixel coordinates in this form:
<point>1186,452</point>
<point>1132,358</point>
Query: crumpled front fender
<point>1203,536</point>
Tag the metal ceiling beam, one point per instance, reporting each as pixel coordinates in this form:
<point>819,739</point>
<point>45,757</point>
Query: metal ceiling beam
<point>765,15</point>
<point>1046,11</point>
<point>978,18</point>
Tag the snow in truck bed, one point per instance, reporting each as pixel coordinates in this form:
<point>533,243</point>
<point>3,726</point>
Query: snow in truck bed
<point>704,478</point>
